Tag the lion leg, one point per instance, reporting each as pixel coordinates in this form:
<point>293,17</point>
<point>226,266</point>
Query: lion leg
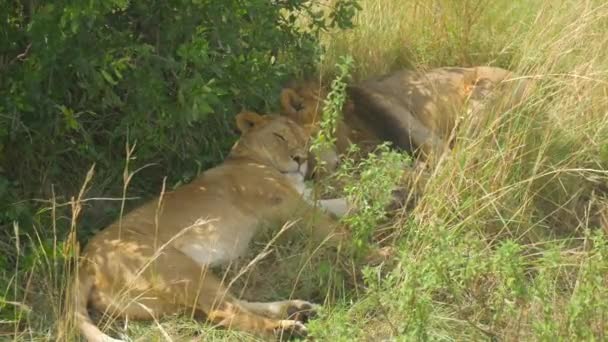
<point>336,206</point>
<point>223,309</point>
<point>323,227</point>
<point>148,283</point>
<point>300,310</point>
<point>188,284</point>
<point>133,305</point>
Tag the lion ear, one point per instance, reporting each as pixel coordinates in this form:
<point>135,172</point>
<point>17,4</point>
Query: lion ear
<point>291,103</point>
<point>247,120</point>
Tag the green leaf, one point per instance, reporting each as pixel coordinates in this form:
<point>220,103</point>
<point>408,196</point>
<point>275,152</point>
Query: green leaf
<point>108,78</point>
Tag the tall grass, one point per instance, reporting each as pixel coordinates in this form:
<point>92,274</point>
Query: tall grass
<point>507,241</point>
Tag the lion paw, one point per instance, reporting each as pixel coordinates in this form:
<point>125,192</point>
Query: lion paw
<point>289,329</point>
<point>301,310</point>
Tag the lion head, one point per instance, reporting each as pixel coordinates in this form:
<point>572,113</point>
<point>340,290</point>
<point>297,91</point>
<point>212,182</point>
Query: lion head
<point>304,104</point>
<point>272,140</point>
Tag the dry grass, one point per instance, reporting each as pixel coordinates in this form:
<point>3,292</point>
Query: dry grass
<point>521,196</point>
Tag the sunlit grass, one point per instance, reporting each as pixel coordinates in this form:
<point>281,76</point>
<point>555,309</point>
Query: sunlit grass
<point>501,243</point>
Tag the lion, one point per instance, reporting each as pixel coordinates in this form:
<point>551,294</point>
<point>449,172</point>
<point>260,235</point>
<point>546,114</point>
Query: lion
<point>416,111</point>
<point>156,260</point>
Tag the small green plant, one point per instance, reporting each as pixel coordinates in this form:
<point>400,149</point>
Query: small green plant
<point>367,185</point>
<point>367,182</point>
<point>509,269</point>
<point>588,305</point>
<point>332,108</point>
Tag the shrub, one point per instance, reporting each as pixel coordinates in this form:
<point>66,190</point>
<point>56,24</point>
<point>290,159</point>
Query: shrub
<point>80,79</point>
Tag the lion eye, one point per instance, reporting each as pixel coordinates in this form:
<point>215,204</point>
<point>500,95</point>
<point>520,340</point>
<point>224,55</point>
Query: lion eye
<point>279,136</point>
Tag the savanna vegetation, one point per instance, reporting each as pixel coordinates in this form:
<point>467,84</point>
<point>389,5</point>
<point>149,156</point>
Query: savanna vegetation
<point>507,242</point>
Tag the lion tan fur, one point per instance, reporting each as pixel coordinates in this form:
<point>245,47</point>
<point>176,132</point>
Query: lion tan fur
<point>156,260</point>
<point>415,110</point>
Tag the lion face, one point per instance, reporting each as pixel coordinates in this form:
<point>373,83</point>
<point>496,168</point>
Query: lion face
<point>304,105</point>
<point>273,140</point>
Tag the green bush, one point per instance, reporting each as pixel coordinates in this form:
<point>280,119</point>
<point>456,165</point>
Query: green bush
<point>80,79</point>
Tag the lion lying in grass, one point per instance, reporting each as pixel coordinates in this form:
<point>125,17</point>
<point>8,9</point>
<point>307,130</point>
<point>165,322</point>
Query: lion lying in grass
<point>416,111</point>
<point>156,260</point>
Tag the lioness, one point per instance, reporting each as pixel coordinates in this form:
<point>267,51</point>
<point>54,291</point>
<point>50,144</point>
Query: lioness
<point>416,111</point>
<point>155,261</point>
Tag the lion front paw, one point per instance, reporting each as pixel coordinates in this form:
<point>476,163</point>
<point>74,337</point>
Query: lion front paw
<point>301,310</point>
<point>289,329</point>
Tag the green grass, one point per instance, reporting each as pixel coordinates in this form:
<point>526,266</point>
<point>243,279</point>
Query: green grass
<point>507,242</point>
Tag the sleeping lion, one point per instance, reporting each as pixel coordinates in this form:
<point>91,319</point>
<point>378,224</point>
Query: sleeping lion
<point>156,260</point>
<point>417,111</point>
